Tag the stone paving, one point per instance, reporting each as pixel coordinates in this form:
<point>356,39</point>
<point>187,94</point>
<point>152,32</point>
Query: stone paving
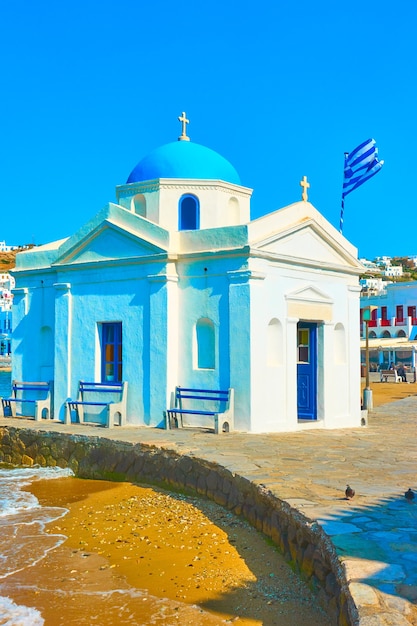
<point>375,533</point>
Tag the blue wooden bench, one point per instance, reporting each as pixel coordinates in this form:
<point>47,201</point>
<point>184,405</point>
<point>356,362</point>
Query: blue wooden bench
<point>111,395</point>
<point>214,404</point>
<point>34,393</point>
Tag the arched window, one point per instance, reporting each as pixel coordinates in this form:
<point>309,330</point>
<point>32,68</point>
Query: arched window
<point>386,334</point>
<point>189,213</point>
<point>206,356</point>
<point>372,334</point>
<point>401,333</point>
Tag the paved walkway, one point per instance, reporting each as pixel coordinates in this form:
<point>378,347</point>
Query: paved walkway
<point>375,533</point>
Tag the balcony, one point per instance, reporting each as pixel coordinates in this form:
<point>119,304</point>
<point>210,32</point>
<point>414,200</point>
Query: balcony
<point>393,327</point>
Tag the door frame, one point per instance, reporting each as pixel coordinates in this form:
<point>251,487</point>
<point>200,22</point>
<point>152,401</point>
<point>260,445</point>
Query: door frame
<point>307,378</point>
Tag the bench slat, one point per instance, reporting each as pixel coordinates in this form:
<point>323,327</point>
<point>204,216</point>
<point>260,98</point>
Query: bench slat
<point>18,400</point>
<point>212,398</point>
<point>191,412</point>
<point>74,402</point>
<point>180,391</point>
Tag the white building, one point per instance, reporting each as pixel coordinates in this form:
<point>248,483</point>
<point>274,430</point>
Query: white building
<point>393,328</point>
<point>175,285</point>
<point>7,283</point>
<point>5,248</point>
<point>373,286</point>
<point>393,271</point>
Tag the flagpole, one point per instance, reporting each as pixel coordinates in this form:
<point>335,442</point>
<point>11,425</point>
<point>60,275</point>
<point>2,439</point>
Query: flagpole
<point>342,210</point>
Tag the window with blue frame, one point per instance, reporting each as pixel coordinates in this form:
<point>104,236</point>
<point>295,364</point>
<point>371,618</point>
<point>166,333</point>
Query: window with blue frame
<point>111,352</point>
<point>189,213</point>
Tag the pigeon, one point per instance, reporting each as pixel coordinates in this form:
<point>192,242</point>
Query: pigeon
<point>409,495</point>
<point>349,493</point>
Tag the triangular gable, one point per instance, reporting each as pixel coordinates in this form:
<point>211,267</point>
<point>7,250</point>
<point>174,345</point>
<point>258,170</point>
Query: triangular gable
<point>308,242</point>
<point>309,294</point>
<point>301,233</point>
<point>109,243</point>
<point>113,234</point>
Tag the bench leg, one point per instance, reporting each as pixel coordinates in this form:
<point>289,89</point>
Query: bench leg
<point>11,406</point>
<point>40,407</point>
<point>223,423</point>
<point>171,420</point>
<point>110,417</point>
<point>67,419</point>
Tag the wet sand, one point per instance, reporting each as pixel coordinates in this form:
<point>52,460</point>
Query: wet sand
<point>136,555</point>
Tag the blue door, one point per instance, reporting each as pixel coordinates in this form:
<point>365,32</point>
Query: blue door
<point>307,371</point>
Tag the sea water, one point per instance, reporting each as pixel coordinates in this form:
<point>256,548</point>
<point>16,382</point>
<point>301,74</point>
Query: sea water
<point>5,383</point>
<point>23,540</point>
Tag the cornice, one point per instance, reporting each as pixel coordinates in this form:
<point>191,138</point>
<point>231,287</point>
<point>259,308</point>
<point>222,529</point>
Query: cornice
<point>123,191</point>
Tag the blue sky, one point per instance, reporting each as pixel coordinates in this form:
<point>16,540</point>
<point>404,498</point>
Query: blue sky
<point>281,89</point>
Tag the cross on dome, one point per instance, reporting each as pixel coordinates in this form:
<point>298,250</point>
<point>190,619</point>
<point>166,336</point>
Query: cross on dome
<point>305,185</point>
<point>184,121</point>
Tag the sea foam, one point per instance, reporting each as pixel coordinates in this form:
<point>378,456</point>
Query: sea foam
<point>12,614</point>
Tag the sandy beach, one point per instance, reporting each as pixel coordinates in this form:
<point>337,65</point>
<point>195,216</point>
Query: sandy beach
<point>136,555</point>
<point>139,555</point>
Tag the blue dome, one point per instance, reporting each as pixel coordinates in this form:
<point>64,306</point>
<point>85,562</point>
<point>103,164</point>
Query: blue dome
<point>184,159</point>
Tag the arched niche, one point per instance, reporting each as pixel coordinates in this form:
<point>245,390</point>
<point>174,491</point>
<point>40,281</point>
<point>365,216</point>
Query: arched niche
<point>234,210</point>
<point>139,204</point>
<point>205,344</point>
<point>274,343</point>
<point>339,343</point>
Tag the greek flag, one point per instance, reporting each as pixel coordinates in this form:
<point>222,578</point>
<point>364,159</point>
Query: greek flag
<point>360,165</point>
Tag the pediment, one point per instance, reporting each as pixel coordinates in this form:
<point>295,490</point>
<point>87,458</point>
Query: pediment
<point>308,242</point>
<point>108,242</point>
<point>309,294</point>
<point>114,233</point>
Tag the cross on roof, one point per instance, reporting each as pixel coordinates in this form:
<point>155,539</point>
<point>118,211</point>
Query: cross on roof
<point>305,185</point>
<point>183,119</point>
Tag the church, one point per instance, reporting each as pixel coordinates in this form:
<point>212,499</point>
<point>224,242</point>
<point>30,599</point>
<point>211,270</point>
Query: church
<point>174,284</point>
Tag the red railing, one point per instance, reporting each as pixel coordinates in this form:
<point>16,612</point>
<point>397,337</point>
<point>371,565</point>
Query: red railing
<point>385,322</point>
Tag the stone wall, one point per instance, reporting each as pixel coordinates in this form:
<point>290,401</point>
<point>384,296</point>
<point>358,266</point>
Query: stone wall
<point>303,543</point>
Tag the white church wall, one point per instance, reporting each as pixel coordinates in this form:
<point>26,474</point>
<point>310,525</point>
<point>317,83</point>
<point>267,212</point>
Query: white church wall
<point>274,389</point>
<point>268,384</point>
